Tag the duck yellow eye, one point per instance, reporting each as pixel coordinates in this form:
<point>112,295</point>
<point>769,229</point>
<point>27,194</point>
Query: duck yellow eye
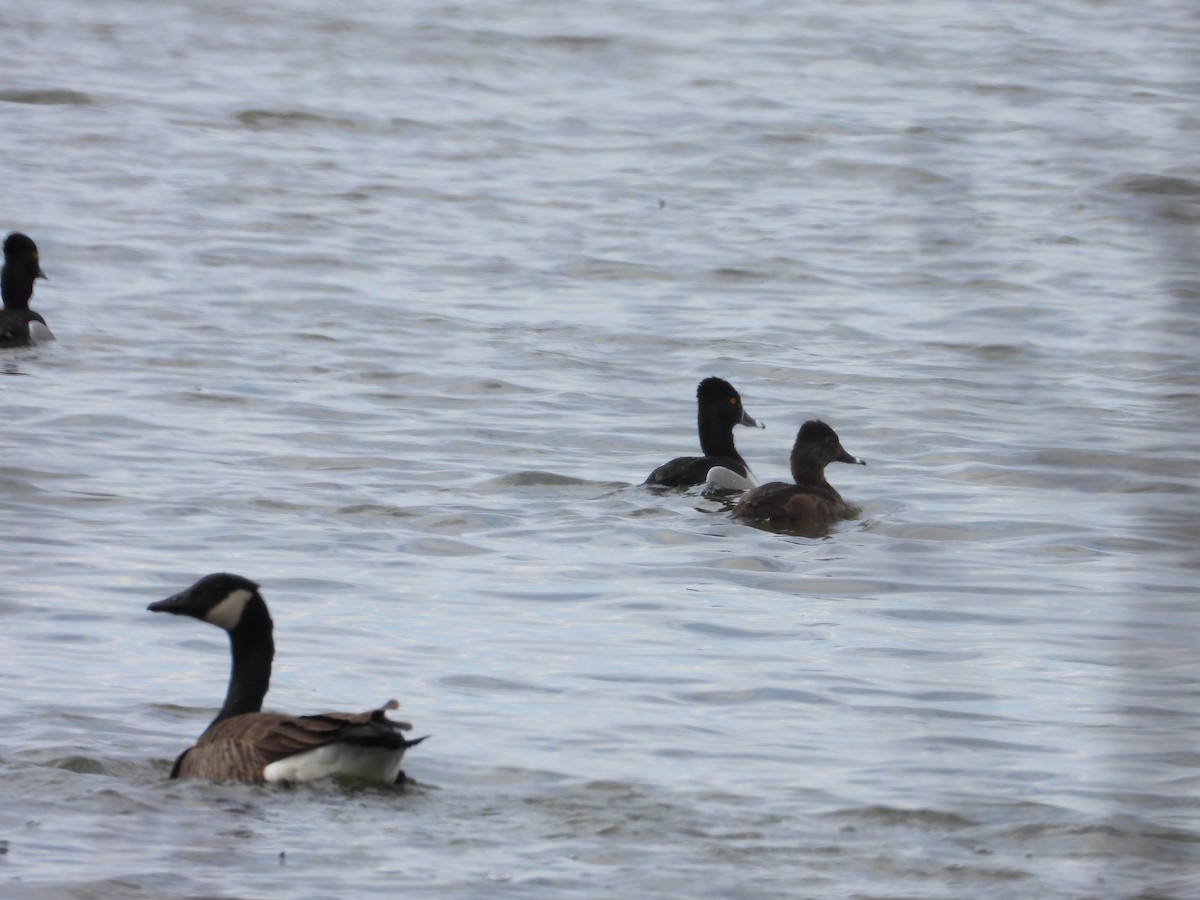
<point>733,401</point>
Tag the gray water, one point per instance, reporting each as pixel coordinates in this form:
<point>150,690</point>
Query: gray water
<point>391,307</point>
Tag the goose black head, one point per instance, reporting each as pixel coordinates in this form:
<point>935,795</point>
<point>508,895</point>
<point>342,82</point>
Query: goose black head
<point>220,599</point>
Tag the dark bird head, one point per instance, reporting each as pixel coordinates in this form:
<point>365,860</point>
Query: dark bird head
<point>21,251</point>
<point>220,599</point>
<point>718,397</point>
<point>819,445</point>
<point>20,269</point>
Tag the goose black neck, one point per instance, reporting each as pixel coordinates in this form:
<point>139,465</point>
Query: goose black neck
<point>716,435</point>
<point>252,648</point>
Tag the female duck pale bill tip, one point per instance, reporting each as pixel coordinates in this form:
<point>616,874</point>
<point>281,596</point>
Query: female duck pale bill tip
<point>245,744</point>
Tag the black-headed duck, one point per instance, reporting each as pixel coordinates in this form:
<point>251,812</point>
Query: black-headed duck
<point>20,325</point>
<point>719,408</point>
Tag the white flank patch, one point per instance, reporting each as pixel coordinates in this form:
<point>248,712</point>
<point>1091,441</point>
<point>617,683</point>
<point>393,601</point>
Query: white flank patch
<point>725,479</point>
<point>228,612</point>
<point>39,333</point>
<point>374,763</point>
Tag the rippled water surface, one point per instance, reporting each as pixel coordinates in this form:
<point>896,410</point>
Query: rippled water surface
<point>391,307</point>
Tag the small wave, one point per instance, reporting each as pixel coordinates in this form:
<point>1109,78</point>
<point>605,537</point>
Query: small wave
<point>534,479</point>
<point>270,120</point>
<point>1161,185</point>
<point>48,97</point>
<point>486,683</point>
<point>917,818</point>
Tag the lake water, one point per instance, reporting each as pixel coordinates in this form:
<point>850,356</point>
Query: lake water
<point>391,307</point>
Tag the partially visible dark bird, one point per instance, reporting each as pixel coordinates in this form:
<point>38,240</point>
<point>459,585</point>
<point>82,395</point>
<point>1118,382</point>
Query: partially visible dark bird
<point>20,325</point>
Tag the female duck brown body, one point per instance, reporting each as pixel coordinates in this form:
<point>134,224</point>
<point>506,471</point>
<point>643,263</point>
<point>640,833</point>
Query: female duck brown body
<point>811,501</point>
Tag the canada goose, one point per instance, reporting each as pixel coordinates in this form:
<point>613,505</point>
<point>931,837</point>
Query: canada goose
<point>20,325</point>
<point>718,409</point>
<point>244,744</point>
<point>811,500</point>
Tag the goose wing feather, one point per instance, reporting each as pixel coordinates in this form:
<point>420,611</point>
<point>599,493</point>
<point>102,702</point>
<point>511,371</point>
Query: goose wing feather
<point>241,747</point>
